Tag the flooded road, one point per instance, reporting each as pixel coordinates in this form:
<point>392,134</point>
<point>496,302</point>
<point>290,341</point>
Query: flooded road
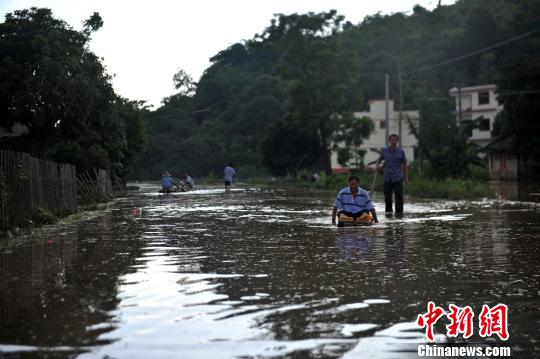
<point>260,272</point>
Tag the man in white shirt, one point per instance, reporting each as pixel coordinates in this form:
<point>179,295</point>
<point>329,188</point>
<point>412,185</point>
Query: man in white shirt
<point>229,173</point>
<point>189,180</point>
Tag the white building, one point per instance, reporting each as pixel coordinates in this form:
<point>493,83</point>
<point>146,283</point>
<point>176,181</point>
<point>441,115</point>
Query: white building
<point>481,101</point>
<point>478,101</point>
<point>377,140</point>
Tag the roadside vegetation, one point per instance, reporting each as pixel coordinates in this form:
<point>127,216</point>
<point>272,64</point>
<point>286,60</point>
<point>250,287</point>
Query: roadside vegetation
<point>277,103</point>
<point>269,103</point>
<point>419,186</point>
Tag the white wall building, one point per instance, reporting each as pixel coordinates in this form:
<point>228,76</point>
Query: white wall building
<point>377,140</point>
<point>478,101</point>
<point>481,101</point>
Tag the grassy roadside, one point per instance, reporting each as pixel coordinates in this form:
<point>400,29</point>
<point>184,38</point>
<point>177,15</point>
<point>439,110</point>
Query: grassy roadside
<point>450,188</point>
<point>42,217</point>
<point>421,187</point>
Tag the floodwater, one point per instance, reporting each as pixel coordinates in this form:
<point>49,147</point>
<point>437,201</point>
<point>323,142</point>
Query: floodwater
<point>260,272</point>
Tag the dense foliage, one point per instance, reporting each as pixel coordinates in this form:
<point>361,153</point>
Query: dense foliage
<point>277,103</point>
<point>268,102</point>
<point>57,90</point>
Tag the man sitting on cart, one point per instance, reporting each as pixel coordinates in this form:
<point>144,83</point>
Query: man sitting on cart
<point>353,202</point>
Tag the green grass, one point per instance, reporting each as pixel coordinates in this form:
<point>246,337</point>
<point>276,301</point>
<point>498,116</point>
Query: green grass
<point>421,187</point>
<point>449,188</point>
<point>336,182</point>
<point>43,216</point>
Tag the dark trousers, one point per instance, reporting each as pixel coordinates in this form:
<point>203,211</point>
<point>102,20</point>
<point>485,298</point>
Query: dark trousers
<point>397,189</point>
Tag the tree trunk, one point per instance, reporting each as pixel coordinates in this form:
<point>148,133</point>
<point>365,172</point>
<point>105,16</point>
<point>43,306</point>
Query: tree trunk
<point>325,159</point>
<point>325,162</point>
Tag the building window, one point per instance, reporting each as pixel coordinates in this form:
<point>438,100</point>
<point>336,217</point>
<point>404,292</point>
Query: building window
<point>484,125</point>
<point>382,124</point>
<point>483,98</point>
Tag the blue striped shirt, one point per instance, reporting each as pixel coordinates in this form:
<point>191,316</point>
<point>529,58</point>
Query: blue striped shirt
<point>346,202</point>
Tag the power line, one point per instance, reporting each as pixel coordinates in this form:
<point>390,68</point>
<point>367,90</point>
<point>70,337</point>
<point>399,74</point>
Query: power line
<point>474,53</point>
<point>518,93</point>
<point>200,111</point>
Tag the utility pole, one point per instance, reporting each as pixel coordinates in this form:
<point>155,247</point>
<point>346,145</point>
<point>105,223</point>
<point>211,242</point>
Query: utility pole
<point>459,104</point>
<point>400,118</point>
<point>386,113</point>
<point>419,148</point>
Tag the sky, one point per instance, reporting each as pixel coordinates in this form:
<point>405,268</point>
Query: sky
<point>144,43</point>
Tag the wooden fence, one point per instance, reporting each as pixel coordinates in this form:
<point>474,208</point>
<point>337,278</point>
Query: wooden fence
<point>94,186</point>
<point>28,183</point>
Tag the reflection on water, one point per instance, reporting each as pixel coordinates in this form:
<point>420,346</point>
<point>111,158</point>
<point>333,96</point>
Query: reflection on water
<point>354,244</point>
<point>261,272</point>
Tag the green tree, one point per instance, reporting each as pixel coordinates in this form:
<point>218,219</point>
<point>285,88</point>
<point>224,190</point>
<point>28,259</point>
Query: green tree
<point>47,78</point>
<point>131,113</point>
<point>444,142</point>
<point>287,149</point>
<point>521,101</point>
<point>54,85</point>
<point>350,133</point>
<point>317,71</point>
<point>518,86</point>
<point>303,69</point>
<point>184,83</point>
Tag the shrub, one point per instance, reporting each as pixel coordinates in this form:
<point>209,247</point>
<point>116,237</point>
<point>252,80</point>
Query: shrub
<point>42,216</point>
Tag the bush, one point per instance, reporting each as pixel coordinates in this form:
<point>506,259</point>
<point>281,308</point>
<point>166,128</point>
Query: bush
<point>479,173</point>
<point>338,181</point>
<point>448,188</point>
<point>247,172</point>
<point>210,179</point>
<point>422,187</point>
<point>475,173</point>
<point>42,216</point>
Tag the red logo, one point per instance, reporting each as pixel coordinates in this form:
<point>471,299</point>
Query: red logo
<point>490,321</point>
<point>429,319</point>
<point>494,321</point>
<point>461,321</point>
